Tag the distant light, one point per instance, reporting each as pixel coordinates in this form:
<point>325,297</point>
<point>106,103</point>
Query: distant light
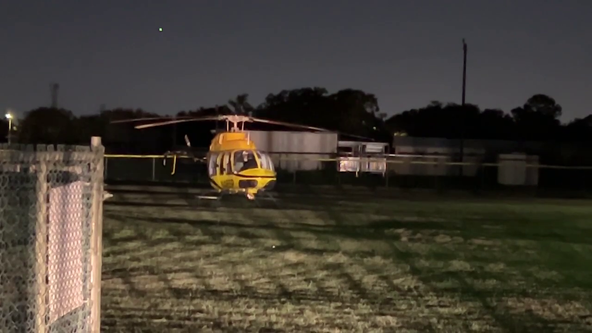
<point>160,29</point>
<point>8,116</point>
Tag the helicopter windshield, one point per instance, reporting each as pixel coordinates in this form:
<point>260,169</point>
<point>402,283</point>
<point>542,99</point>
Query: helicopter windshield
<point>244,160</point>
<point>265,161</point>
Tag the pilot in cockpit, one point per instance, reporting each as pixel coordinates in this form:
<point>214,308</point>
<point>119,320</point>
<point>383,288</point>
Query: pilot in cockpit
<point>245,161</point>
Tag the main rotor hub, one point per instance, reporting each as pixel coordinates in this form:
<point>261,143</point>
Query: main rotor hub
<point>235,120</point>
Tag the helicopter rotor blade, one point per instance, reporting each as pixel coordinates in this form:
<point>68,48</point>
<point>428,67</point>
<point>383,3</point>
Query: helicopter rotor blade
<point>171,122</point>
<point>232,118</point>
<point>357,136</point>
<point>273,122</point>
<point>145,119</point>
<point>281,123</point>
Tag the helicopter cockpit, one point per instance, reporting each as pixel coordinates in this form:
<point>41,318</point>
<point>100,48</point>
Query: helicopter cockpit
<point>251,159</point>
<point>237,161</point>
<point>244,160</point>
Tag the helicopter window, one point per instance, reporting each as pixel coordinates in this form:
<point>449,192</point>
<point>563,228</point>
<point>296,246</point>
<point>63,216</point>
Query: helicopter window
<point>220,164</point>
<point>269,162</point>
<point>228,156</point>
<point>226,165</point>
<point>244,160</point>
<point>265,161</point>
<point>213,164</point>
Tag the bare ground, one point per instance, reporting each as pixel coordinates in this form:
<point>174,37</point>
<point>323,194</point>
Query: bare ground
<point>345,264</point>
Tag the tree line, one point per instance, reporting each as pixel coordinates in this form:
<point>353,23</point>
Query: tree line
<point>348,111</point>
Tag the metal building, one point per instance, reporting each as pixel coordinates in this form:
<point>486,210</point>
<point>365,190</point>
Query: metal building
<point>293,150</point>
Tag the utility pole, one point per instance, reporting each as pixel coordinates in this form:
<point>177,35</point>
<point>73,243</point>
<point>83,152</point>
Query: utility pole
<point>464,87</point>
<point>464,84</point>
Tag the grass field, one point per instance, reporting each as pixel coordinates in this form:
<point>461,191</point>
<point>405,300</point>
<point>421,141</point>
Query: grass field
<point>346,263</point>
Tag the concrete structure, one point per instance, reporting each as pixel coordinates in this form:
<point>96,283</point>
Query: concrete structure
<point>430,156</point>
<point>518,169</point>
<point>417,145</point>
<point>291,150</point>
<point>433,154</point>
<point>357,156</point>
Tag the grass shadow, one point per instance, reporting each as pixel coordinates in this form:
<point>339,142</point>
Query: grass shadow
<point>414,271</point>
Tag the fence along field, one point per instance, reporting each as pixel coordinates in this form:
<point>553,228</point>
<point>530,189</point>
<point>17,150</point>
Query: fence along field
<point>50,238</point>
<point>438,174</point>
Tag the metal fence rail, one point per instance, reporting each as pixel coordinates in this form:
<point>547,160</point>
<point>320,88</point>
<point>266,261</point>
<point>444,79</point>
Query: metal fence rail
<point>407,172</point>
<point>50,229</point>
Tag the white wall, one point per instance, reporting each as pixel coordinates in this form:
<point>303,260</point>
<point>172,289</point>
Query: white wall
<point>439,156</point>
<point>319,144</point>
<point>424,166</point>
<point>513,170</point>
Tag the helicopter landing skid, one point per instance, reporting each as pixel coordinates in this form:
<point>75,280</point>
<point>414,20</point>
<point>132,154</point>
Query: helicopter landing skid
<point>266,196</point>
<point>209,197</point>
<point>215,197</point>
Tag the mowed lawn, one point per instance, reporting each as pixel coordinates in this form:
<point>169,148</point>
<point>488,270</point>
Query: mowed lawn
<point>346,264</point>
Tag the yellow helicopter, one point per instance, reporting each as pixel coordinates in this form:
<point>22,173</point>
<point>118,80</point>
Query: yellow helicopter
<point>235,165</point>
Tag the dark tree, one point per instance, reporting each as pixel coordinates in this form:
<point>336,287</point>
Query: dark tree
<point>48,126</point>
<point>538,119</point>
<point>240,104</point>
<point>495,124</point>
<point>348,111</point>
<point>123,136</point>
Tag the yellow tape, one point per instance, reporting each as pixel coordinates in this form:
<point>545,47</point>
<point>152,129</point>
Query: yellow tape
<point>133,156</point>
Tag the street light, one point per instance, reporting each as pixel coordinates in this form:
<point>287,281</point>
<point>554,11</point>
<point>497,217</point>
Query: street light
<point>8,116</point>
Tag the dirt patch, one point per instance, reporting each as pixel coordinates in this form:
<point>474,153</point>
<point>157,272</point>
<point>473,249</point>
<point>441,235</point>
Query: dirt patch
<point>459,266</point>
<point>443,239</point>
<point>457,239</point>
<point>484,242</point>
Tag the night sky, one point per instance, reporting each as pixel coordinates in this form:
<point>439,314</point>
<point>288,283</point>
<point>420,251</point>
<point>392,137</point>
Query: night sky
<point>406,52</point>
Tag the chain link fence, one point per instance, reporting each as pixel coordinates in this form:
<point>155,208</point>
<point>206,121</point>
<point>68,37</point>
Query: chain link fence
<point>439,175</point>
<point>50,238</point>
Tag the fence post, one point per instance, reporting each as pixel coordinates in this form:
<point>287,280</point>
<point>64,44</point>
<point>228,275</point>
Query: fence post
<point>153,169</point>
<point>97,233</point>
<point>41,243</point>
<point>387,174</point>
